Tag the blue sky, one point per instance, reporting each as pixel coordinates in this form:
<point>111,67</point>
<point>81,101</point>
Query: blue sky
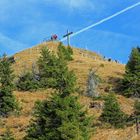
<point>24,23</point>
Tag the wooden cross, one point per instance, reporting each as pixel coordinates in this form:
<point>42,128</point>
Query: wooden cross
<point>68,37</point>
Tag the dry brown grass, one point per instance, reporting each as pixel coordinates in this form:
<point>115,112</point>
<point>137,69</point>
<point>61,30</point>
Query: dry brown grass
<point>110,72</point>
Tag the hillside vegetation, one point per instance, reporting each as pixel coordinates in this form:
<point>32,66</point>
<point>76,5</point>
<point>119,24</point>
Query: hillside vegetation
<point>109,72</point>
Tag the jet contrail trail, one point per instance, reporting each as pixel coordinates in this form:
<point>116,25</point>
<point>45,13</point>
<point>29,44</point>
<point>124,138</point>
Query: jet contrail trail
<point>104,20</point>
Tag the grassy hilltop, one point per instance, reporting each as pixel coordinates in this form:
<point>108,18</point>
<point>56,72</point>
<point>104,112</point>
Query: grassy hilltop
<point>109,72</point>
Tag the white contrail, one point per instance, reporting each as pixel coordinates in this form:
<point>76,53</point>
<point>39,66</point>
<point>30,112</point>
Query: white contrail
<point>104,20</point>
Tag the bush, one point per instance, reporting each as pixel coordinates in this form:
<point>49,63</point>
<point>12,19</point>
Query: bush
<point>112,113</point>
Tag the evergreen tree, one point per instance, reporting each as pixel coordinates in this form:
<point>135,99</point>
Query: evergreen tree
<point>133,64</point>
<point>92,83</point>
<point>66,79</point>
<point>28,82</point>
<point>54,73</point>
<point>131,85</point>
<point>59,119</point>
<point>7,99</point>
<point>7,102</point>
<point>6,73</point>
<point>66,52</point>
<point>48,67</point>
<point>131,82</point>
<point>112,113</point>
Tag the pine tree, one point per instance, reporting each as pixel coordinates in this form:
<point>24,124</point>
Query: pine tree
<point>27,82</point>
<point>54,73</point>
<point>92,83</point>
<point>112,113</point>
<point>66,52</point>
<point>133,64</point>
<point>48,67</point>
<point>6,73</point>
<point>60,117</point>
<point>7,99</point>
<point>131,81</point>
<point>66,79</point>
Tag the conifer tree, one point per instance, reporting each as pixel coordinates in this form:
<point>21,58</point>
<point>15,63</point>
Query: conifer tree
<point>54,73</point>
<point>133,64</point>
<point>48,67</point>
<point>131,82</point>
<point>66,52</point>
<point>7,99</point>
<point>60,117</point>
<point>27,82</point>
<point>6,73</point>
<point>112,113</point>
<point>66,79</point>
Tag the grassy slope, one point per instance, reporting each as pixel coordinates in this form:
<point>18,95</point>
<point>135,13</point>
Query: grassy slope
<point>83,61</point>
